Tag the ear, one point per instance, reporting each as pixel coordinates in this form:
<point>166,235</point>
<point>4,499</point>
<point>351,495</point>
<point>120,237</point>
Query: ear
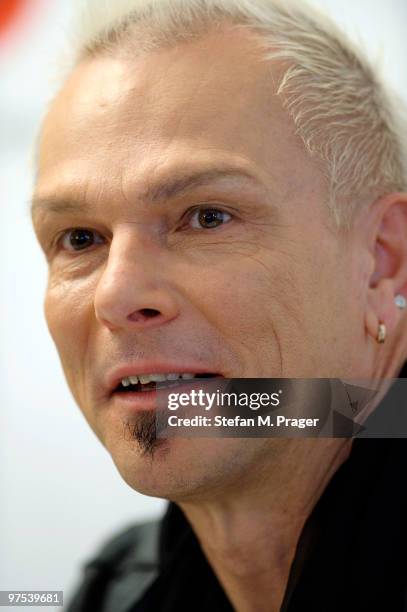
<point>388,244</point>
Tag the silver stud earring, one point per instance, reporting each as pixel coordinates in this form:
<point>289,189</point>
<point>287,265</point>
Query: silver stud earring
<point>400,301</point>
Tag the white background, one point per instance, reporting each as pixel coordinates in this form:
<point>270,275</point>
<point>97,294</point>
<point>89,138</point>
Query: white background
<point>60,493</point>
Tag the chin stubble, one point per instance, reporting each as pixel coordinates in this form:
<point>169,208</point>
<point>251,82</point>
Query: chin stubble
<point>142,429</point>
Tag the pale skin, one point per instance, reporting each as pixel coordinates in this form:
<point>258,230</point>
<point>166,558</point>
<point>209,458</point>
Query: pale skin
<point>273,291</point>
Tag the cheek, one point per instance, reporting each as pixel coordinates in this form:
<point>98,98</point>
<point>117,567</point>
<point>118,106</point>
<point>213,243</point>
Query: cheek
<point>67,307</point>
<point>274,306</point>
<point>245,298</point>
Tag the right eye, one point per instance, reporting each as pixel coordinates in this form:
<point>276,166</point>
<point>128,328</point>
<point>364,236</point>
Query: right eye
<point>79,239</point>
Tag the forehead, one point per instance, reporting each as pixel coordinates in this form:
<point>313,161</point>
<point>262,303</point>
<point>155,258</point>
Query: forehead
<point>118,119</point>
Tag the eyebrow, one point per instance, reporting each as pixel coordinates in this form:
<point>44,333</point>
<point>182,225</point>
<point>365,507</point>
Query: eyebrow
<point>154,194</point>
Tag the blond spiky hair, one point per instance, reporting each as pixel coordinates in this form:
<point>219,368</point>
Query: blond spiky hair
<point>344,115</point>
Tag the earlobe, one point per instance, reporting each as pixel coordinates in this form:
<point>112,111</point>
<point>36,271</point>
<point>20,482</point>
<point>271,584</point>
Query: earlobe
<point>380,317</point>
<point>384,311</point>
<point>371,323</point>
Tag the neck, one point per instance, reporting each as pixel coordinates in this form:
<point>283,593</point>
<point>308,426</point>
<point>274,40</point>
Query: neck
<point>250,534</point>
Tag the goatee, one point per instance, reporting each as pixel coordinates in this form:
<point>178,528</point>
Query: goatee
<point>142,428</point>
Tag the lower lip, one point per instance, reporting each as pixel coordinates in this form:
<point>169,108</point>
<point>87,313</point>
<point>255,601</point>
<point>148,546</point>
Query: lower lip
<point>136,401</point>
<point>141,400</point>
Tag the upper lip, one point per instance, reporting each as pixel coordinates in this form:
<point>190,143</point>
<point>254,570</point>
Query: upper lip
<point>116,375</point>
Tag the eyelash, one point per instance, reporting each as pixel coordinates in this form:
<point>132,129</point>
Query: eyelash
<point>189,215</point>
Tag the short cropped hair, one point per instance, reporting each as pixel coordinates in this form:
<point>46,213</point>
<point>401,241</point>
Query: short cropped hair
<point>347,119</point>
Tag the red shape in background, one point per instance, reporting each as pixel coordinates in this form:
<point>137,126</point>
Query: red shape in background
<point>9,9</point>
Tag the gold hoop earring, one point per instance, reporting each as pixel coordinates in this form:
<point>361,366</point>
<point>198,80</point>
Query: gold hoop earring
<point>381,333</point>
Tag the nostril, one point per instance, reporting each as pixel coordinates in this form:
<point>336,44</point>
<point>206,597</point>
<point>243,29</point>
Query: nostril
<point>141,315</point>
<point>149,313</point>
<point>144,314</point>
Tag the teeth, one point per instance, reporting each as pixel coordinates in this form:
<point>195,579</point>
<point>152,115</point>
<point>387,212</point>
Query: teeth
<point>144,379</point>
<point>158,377</point>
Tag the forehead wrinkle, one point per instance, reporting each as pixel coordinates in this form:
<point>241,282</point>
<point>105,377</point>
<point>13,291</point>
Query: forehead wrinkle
<point>153,194</point>
<point>167,190</point>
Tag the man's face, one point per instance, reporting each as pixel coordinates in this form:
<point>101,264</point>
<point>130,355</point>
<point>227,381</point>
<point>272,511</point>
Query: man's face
<point>232,275</point>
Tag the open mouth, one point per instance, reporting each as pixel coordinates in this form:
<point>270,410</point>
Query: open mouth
<point>151,382</point>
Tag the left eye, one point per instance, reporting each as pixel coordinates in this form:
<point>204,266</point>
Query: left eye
<point>207,218</point>
<point>78,239</point>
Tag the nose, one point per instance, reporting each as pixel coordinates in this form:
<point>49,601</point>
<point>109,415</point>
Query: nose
<point>133,292</point>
